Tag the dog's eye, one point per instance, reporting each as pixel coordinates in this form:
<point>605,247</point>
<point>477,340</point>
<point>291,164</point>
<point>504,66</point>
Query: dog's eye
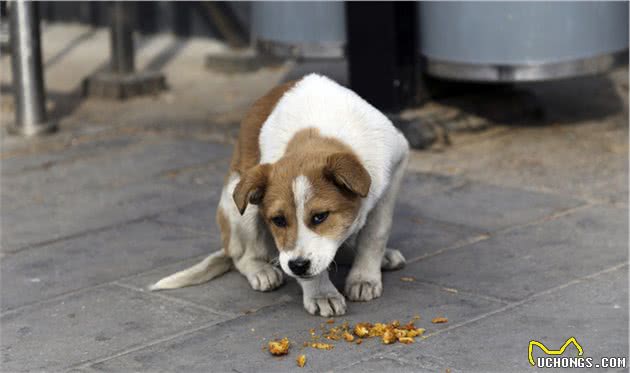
<point>319,218</point>
<point>279,221</point>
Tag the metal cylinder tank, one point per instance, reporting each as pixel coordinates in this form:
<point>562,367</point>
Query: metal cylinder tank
<point>299,29</point>
<point>521,41</point>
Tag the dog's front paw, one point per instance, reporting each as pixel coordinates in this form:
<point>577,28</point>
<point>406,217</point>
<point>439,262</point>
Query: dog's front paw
<point>266,279</point>
<point>325,305</point>
<point>363,290</point>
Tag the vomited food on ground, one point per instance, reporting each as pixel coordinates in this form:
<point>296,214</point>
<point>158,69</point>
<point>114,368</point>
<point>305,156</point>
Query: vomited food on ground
<point>387,333</point>
<point>280,347</point>
<point>301,361</point>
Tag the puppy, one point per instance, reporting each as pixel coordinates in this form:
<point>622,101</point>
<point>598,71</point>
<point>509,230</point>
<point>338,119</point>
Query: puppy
<point>315,168</point>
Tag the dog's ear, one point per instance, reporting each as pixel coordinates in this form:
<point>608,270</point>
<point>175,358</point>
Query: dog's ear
<point>251,187</point>
<point>346,171</point>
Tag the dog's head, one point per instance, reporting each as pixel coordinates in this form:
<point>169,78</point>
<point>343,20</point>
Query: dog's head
<point>309,200</point>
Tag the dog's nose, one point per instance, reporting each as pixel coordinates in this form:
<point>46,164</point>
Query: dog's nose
<point>299,266</point>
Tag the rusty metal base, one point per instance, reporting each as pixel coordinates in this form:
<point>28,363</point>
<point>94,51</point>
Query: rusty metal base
<point>116,86</point>
<point>32,129</point>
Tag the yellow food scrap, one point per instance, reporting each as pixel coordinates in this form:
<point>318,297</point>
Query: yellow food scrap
<point>389,333</point>
<point>409,326</point>
<point>280,347</point>
<point>322,346</point>
<point>439,320</point>
<point>389,337</point>
<point>415,332</point>
<point>407,279</point>
<point>362,330</point>
<point>301,361</point>
<point>378,330</point>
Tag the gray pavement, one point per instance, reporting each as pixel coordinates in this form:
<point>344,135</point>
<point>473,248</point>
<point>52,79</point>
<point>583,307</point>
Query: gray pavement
<point>514,233</point>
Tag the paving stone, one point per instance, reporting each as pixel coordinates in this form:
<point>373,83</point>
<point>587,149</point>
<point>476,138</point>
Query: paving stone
<point>137,163</point>
<point>208,177</point>
<point>228,293</point>
<point>518,263</point>
<point>71,198</point>
<point>200,217</point>
<point>380,364</point>
<point>416,184</point>
<point>14,164</point>
<point>66,215</point>
<point>594,311</point>
<point>237,344</point>
<point>415,235</point>
<point>490,207</point>
<point>43,272</point>
<point>88,325</point>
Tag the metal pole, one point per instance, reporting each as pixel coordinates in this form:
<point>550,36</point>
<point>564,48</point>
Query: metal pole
<point>121,38</point>
<point>28,79</point>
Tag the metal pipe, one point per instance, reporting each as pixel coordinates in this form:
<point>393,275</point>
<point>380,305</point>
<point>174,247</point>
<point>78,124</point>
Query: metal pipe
<point>28,78</point>
<point>121,38</point>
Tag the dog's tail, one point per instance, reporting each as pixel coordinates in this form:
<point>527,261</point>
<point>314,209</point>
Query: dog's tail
<point>213,266</point>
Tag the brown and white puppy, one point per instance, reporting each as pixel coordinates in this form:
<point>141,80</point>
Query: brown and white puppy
<point>315,168</point>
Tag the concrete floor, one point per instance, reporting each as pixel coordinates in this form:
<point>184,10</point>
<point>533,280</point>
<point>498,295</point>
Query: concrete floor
<point>516,231</point>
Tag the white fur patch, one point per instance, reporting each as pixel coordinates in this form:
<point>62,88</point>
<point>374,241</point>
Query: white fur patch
<point>318,249</point>
<point>302,192</point>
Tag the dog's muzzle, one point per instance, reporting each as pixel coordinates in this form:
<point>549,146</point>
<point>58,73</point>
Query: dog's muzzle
<point>299,266</point>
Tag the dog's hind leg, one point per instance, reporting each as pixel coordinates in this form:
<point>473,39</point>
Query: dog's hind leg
<point>252,252</point>
<point>250,246</point>
<point>392,260</point>
<point>247,245</point>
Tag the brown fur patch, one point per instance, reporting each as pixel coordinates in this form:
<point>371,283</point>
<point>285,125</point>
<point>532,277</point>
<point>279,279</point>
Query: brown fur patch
<point>251,187</point>
<point>327,197</point>
<point>346,171</point>
<point>224,227</point>
<point>309,154</point>
<point>247,151</point>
